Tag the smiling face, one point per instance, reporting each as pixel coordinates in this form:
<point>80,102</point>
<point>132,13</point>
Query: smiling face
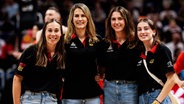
<point>144,32</point>
<point>79,19</point>
<point>117,22</point>
<point>53,33</point>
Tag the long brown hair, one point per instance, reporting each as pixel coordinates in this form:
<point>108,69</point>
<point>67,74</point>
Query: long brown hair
<point>129,25</point>
<point>41,59</point>
<point>156,38</point>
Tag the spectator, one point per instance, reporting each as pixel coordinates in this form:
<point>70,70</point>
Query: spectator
<point>176,45</point>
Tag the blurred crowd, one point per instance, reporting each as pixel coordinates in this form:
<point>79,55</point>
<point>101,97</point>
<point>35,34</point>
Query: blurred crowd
<point>18,18</point>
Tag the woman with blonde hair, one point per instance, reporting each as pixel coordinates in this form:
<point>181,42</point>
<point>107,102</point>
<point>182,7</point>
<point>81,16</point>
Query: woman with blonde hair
<point>82,53</point>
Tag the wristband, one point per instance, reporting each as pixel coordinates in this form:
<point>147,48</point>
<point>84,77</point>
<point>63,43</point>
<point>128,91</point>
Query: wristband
<point>158,101</point>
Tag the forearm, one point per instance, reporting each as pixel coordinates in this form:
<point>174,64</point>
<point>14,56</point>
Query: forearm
<point>167,87</point>
<point>16,90</point>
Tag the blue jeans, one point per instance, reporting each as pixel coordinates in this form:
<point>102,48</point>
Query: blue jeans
<point>95,100</point>
<point>149,97</point>
<point>120,92</point>
<point>38,98</point>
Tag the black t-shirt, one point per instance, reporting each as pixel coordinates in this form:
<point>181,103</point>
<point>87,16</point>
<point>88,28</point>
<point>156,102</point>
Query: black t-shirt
<point>81,69</point>
<point>159,62</point>
<point>37,78</point>
<point>120,61</point>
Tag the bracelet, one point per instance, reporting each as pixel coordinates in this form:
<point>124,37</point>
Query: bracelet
<point>155,102</point>
<point>158,101</point>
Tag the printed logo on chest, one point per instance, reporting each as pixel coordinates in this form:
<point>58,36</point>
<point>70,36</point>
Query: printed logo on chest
<point>139,63</point>
<point>110,49</point>
<point>73,45</point>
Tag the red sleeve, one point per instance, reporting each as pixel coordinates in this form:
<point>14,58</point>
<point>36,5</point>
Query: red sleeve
<point>179,64</point>
<point>3,52</point>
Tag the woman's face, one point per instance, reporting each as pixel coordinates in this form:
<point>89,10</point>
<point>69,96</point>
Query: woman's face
<point>53,33</point>
<point>117,22</point>
<point>79,19</point>
<point>144,32</point>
